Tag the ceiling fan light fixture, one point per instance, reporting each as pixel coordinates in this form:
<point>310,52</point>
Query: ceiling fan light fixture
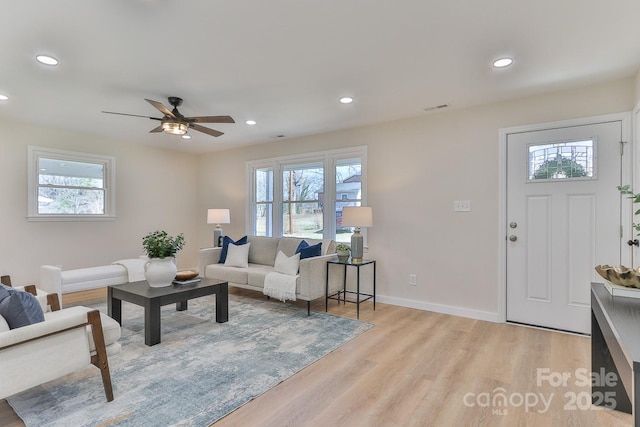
<point>174,128</point>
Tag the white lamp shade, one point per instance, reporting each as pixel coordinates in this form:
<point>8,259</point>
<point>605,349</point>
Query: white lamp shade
<point>218,216</point>
<point>357,216</point>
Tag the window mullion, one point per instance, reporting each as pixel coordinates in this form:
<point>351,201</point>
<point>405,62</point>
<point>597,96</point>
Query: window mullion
<point>71,187</point>
<point>277,199</point>
<point>329,207</point>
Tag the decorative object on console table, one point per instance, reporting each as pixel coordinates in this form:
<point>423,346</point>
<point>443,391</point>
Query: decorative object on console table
<point>620,280</point>
<point>218,216</point>
<point>343,252</point>
<point>161,249</point>
<point>357,216</point>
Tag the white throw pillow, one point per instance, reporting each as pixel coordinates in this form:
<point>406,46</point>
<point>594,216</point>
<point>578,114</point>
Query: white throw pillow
<point>287,265</point>
<point>4,326</point>
<point>237,256</point>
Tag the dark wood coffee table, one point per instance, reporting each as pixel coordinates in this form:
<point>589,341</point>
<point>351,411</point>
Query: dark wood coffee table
<point>140,293</point>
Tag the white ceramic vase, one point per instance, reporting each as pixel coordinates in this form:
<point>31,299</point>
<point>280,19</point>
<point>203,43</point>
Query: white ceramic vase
<point>160,272</point>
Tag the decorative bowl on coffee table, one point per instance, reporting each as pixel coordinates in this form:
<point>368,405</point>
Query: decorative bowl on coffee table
<point>186,274</point>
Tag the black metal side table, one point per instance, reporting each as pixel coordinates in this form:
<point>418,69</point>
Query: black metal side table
<point>341,295</point>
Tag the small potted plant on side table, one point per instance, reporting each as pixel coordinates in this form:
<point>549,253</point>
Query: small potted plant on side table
<point>343,252</point>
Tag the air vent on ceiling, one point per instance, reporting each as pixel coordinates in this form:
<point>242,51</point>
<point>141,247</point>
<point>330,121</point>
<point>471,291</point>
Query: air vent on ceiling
<point>437,107</point>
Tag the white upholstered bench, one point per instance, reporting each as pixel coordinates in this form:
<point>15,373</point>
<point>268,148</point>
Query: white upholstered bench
<point>55,280</point>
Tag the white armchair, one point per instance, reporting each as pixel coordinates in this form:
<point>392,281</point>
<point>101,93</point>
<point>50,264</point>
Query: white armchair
<point>69,340</point>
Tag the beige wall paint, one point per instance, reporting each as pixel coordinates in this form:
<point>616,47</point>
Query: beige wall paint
<point>156,189</point>
<point>417,168</point>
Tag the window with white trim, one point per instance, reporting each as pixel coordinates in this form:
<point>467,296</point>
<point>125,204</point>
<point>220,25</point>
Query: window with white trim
<point>303,196</point>
<point>70,186</point>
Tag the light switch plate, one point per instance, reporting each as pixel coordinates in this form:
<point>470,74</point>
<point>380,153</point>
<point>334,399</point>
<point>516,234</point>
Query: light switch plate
<point>462,206</point>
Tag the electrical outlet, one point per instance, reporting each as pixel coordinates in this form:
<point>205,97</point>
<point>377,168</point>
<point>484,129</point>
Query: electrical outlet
<point>412,279</point>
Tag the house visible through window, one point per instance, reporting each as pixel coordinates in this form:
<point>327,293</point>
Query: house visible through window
<point>67,185</point>
<point>303,196</point>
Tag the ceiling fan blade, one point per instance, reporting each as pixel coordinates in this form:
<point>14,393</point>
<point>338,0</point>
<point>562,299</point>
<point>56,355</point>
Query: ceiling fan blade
<point>132,115</point>
<point>210,119</point>
<point>164,110</point>
<point>156,129</point>
<point>206,130</point>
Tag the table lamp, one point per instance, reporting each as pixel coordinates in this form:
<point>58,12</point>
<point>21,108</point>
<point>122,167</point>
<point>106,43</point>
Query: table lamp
<point>218,216</point>
<point>357,216</point>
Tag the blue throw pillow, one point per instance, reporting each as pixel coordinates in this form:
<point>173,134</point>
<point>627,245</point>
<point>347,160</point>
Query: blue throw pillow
<point>4,292</point>
<point>225,246</point>
<point>301,246</point>
<point>307,251</point>
<point>20,309</point>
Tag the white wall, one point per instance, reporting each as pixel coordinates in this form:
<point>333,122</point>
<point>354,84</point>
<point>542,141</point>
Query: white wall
<point>156,189</point>
<point>417,168</point>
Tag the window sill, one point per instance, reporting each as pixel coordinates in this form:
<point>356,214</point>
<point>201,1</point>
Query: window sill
<point>71,218</point>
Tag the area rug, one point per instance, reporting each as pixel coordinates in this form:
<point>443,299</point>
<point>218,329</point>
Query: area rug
<point>200,372</point>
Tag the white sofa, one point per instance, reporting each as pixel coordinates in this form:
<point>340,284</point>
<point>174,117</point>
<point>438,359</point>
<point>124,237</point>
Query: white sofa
<point>67,341</point>
<point>311,280</point>
<point>55,280</point>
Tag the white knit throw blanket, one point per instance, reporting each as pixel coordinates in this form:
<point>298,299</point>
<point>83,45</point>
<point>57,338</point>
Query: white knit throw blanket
<point>135,268</point>
<point>280,286</point>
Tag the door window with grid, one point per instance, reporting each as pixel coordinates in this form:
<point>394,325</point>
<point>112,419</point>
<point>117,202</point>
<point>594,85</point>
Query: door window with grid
<point>562,160</point>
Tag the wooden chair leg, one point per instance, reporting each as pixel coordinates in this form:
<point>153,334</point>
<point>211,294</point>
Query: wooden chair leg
<point>31,289</point>
<point>53,301</point>
<point>100,358</point>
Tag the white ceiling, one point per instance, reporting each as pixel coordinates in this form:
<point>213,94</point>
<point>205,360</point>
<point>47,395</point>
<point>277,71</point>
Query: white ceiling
<point>286,63</point>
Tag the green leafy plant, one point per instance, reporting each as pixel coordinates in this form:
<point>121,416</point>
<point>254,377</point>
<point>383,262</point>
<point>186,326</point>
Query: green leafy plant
<point>160,245</point>
<point>342,247</point>
<point>559,166</point>
<point>628,191</point>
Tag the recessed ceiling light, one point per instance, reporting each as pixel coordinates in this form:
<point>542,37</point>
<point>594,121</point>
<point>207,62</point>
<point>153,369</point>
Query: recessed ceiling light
<point>346,100</point>
<point>502,62</point>
<point>251,122</point>
<point>185,136</point>
<point>3,97</point>
<point>47,60</point>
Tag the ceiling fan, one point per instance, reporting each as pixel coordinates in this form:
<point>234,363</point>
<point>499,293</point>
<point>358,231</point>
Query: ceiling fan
<point>173,122</point>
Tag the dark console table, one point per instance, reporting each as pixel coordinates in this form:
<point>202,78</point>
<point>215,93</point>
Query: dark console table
<point>615,351</point>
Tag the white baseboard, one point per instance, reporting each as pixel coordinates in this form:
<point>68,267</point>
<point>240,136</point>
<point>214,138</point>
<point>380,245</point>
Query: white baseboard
<point>440,308</point>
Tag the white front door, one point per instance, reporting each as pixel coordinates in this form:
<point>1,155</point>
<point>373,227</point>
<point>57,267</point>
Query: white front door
<point>563,219</point>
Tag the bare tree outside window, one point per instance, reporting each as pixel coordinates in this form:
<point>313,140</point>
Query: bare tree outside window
<point>302,211</point>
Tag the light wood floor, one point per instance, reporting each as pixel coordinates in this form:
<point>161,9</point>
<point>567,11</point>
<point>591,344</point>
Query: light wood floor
<point>417,368</point>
